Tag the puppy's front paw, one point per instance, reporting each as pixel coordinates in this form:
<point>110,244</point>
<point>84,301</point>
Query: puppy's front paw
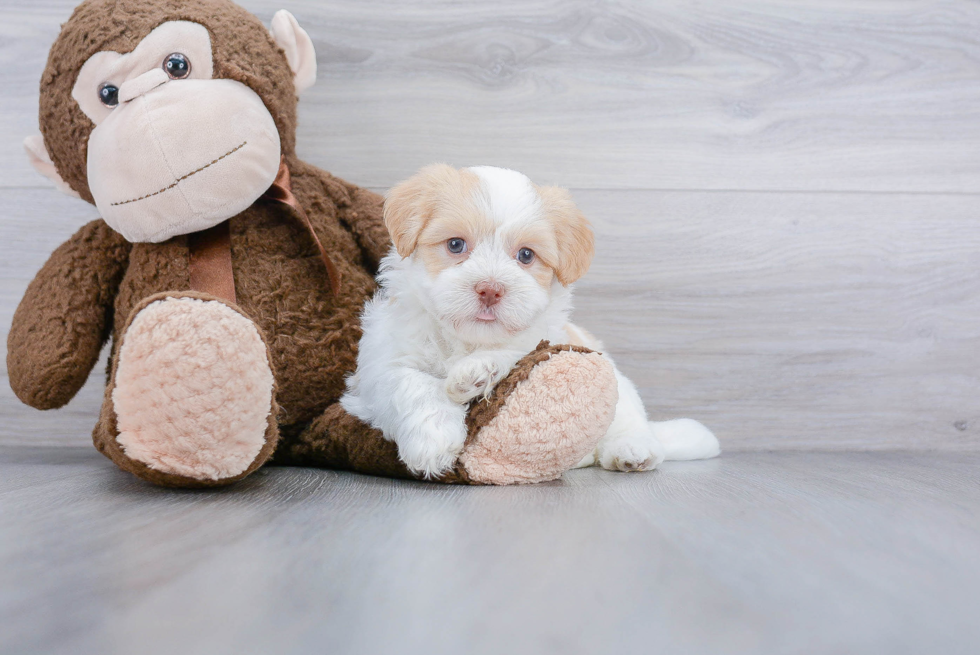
<point>433,445</point>
<point>636,451</point>
<point>472,377</point>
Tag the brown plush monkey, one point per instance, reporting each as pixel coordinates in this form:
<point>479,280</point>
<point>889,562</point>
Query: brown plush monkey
<point>228,273</point>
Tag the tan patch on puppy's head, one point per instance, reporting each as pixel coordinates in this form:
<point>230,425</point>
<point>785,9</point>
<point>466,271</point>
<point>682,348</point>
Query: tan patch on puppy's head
<point>574,241</point>
<point>431,201</point>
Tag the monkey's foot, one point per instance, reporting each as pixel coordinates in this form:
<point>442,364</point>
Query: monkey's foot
<point>542,419</point>
<point>193,392</point>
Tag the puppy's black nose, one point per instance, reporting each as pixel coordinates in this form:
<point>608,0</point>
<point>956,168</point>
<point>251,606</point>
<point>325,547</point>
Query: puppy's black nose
<point>490,292</point>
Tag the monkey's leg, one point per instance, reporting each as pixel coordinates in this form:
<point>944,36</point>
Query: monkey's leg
<point>191,396</point>
<point>539,421</point>
<point>337,440</point>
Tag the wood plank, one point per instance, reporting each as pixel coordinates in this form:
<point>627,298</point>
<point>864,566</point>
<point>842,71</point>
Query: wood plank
<point>856,543</point>
<point>751,553</point>
<point>823,321</point>
<point>806,321</point>
<point>756,94</point>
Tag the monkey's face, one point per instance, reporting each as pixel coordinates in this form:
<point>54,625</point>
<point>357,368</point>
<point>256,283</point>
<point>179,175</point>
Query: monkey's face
<point>173,150</point>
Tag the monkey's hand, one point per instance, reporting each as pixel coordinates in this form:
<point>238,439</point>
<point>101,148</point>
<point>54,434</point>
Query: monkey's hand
<point>64,318</point>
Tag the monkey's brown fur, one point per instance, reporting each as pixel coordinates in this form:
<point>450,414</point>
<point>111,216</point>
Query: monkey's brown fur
<point>242,48</point>
<point>279,278</point>
<point>94,284</point>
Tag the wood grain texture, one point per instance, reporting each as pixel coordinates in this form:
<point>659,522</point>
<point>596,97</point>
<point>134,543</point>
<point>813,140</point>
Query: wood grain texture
<point>823,321</point>
<point>842,314</point>
<point>756,94</point>
<point>801,321</point>
<point>751,553</point>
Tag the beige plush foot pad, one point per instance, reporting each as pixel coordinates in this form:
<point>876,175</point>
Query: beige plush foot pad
<point>193,389</point>
<point>543,419</point>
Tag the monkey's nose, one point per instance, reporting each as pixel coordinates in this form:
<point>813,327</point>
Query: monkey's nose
<point>490,292</point>
<point>134,88</point>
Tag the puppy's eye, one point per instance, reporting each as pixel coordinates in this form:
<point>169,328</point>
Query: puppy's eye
<point>525,256</point>
<point>109,95</point>
<point>177,66</point>
<point>456,246</point>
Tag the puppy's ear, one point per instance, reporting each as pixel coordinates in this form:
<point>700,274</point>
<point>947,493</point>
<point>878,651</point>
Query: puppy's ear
<point>576,243</point>
<point>410,204</point>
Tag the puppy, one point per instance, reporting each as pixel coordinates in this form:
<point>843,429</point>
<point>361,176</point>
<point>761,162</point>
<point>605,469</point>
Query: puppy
<point>480,272</point>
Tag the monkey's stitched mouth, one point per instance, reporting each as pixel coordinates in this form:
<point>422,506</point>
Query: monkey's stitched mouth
<point>182,177</point>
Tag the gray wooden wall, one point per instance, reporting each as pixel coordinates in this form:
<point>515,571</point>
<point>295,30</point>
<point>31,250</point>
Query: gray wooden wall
<point>786,194</point>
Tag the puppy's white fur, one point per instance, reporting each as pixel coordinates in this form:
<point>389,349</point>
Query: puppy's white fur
<point>432,343</point>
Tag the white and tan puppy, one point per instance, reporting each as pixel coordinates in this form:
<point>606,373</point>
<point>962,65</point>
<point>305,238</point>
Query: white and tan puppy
<point>480,273</point>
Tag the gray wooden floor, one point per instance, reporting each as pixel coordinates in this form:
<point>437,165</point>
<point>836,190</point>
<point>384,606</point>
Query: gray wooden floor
<point>750,553</point>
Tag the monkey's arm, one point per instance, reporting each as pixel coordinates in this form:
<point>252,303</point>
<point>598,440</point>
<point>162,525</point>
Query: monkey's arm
<point>65,317</point>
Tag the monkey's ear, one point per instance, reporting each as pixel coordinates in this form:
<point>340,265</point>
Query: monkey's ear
<point>41,161</point>
<point>299,49</point>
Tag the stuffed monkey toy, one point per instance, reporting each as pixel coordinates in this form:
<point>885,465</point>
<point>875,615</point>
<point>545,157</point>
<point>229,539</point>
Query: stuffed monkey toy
<point>229,274</point>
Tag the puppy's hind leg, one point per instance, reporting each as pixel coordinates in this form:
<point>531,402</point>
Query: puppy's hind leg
<point>630,443</point>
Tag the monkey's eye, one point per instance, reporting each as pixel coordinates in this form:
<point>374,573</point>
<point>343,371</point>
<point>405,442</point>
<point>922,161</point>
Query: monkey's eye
<point>177,66</point>
<point>525,256</point>
<point>109,95</point>
<point>456,246</point>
